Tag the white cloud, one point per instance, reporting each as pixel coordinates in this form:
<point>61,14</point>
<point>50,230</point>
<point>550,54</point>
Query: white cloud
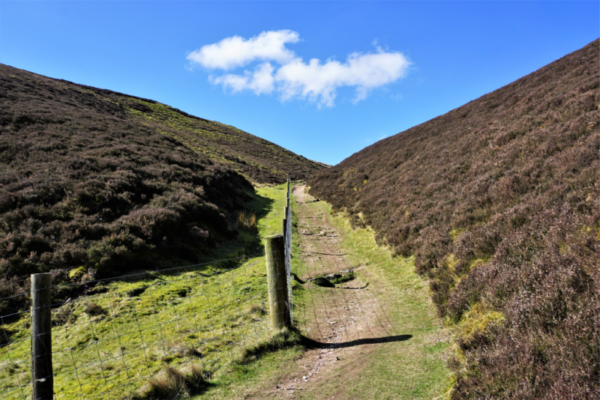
<point>261,81</point>
<point>237,52</point>
<point>314,81</point>
<point>319,82</point>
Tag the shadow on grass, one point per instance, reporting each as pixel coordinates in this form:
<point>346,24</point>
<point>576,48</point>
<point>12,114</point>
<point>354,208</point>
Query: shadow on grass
<point>225,256</point>
<point>248,243</point>
<point>292,337</point>
<point>261,206</point>
<point>313,344</point>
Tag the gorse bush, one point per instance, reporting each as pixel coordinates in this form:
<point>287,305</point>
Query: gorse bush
<point>499,200</point>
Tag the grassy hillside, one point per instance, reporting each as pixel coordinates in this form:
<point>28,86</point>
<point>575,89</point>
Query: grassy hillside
<point>94,183</point>
<point>124,337</point>
<point>499,200</point>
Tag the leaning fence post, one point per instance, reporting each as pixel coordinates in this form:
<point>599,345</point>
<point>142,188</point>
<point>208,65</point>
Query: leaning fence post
<point>277,281</point>
<point>42,379</point>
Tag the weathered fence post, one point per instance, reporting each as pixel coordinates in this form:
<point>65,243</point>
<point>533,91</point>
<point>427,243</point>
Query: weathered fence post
<point>277,281</point>
<point>288,192</point>
<point>284,223</point>
<point>41,337</point>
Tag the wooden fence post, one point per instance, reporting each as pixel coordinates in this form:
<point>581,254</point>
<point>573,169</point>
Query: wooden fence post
<point>42,379</point>
<point>277,281</point>
<point>284,223</point>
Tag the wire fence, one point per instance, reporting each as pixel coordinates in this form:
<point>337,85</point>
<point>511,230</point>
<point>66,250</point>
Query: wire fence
<point>105,344</point>
<point>287,234</point>
<point>113,335</point>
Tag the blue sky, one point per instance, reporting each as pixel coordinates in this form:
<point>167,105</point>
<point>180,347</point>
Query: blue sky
<point>409,61</point>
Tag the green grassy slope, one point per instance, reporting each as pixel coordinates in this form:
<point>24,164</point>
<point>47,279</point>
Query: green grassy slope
<point>110,342</point>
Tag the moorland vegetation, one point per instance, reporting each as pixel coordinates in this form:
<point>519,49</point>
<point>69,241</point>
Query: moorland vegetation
<point>499,201</point>
<point>94,183</point>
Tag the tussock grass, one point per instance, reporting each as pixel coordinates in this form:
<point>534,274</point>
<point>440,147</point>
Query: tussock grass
<point>256,309</point>
<point>172,383</point>
<point>247,221</point>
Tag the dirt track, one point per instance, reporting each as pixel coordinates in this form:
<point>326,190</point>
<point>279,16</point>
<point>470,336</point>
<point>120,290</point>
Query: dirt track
<point>346,322</point>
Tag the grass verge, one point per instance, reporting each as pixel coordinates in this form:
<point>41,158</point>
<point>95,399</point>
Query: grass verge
<point>410,369</point>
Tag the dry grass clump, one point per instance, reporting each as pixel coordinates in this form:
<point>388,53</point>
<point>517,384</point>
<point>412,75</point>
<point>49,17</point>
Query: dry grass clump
<point>256,309</point>
<point>94,310</point>
<point>172,383</point>
<point>247,220</point>
<point>499,200</point>
<point>63,315</point>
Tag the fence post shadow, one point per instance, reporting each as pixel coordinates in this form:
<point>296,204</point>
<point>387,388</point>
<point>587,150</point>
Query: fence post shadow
<point>313,344</point>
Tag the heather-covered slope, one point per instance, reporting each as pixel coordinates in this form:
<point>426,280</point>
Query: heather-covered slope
<point>95,183</point>
<point>500,202</point>
<point>258,159</point>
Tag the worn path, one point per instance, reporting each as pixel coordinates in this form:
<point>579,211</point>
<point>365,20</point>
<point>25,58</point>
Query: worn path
<point>346,322</point>
<point>383,341</point>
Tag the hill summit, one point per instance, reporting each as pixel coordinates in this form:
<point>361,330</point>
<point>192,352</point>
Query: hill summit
<point>499,202</point>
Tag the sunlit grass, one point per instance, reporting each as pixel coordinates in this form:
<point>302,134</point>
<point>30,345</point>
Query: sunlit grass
<point>411,369</point>
<point>112,342</point>
<point>416,368</point>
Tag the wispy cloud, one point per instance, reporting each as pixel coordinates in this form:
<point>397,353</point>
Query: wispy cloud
<point>260,81</point>
<point>293,78</point>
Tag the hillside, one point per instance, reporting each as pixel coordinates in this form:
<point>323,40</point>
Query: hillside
<point>42,97</point>
<point>499,200</point>
<point>94,183</point>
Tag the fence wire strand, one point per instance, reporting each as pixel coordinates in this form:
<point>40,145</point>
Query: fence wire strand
<point>118,340</point>
<point>114,334</point>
